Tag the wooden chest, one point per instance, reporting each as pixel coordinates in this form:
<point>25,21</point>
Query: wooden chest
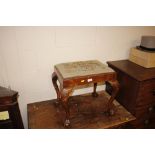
<point>137,91</point>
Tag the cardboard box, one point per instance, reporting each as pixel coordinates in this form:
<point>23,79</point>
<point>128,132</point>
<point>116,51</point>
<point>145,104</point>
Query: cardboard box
<point>145,59</point>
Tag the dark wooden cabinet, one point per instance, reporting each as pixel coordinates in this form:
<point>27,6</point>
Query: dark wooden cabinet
<point>137,91</point>
<point>9,102</point>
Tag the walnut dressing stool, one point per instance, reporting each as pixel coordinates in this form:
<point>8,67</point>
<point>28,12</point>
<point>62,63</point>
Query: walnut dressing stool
<point>79,73</point>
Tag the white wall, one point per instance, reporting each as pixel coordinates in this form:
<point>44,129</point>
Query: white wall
<point>3,72</point>
<point>27,54</point>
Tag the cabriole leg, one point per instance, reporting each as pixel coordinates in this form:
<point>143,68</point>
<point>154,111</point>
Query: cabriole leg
<point>65,93</point>
<point>115,89</point>
<point>54,80</point>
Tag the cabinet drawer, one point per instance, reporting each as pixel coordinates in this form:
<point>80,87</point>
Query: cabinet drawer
<point>144,123</point>
<point>146,93</point>
<point>146,111</point>
<point>145,117</point>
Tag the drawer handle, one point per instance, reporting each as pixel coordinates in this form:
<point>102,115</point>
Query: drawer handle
<point>150,109</point>
<point>146,122</point>
<point>153,92</point>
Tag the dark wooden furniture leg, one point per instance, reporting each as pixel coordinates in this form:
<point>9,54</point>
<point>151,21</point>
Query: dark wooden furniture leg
<point>115,89</point>
<point>62,97</point>
<point>95,94</point>
<point>65,93</point>
<point>54,80</point>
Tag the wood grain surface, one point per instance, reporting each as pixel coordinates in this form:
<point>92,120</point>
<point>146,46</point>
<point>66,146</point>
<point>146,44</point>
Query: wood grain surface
<point>86,112</point>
